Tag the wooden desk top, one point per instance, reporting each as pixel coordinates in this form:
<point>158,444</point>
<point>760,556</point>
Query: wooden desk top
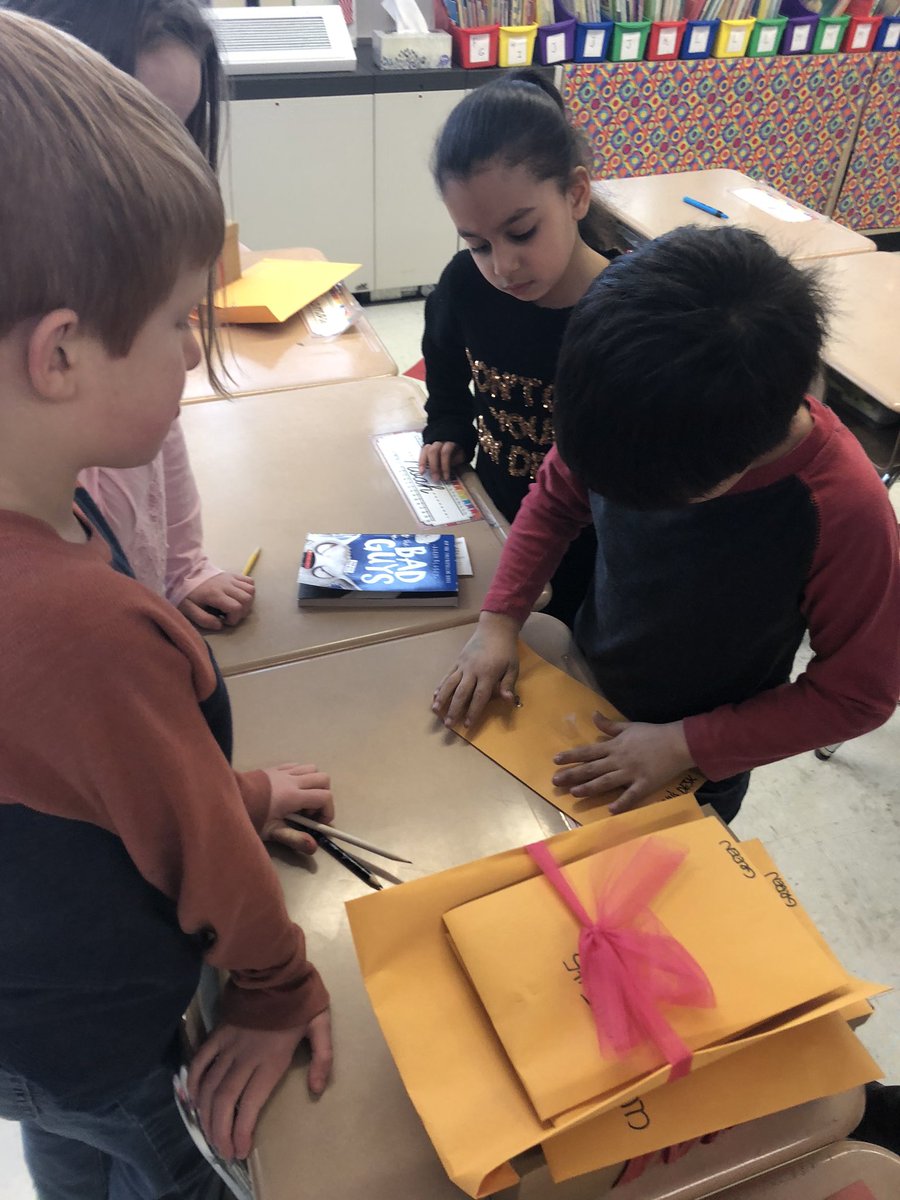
<point>410,785</point>
<point>864,346</point>
<point>402,779</point>
<point>652,205</point>
<point>273,358</point>
<point>271,469</point>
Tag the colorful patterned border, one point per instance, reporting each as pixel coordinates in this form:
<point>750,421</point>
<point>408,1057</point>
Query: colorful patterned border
<point>785,120</point>
<point>870,195</point>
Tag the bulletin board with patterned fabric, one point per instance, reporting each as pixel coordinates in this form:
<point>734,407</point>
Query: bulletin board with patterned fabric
<point>784,120</point>
<point>870,196</point>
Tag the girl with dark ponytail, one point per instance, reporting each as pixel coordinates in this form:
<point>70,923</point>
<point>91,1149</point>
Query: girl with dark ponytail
<point>514,176</point>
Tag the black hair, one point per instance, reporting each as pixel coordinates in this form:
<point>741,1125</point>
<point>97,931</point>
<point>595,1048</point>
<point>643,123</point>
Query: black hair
<point>521,121</point>
<point>684,363</point>
<point>121,30</point>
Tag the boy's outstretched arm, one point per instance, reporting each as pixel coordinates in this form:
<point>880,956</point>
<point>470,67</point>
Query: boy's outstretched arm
<point>552,515</point>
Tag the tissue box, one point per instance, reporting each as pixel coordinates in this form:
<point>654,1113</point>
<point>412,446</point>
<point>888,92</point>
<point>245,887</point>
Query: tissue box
<point>411,51</point>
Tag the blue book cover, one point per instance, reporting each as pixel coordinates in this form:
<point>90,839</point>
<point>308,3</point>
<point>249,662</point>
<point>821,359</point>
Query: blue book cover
<point>362,570</point>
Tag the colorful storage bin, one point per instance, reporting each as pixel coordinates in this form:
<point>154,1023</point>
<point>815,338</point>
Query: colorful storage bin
<point>799,34</point>
<point>888,35</point>
<point>699,38</point>
<point>475,47</point>
<point>664,40</point>
<point>732,38</point>
<point>592,40</point>
<point>515,46</point>
<point>765,37</point>
<point>859,36</point>
<point>829,34</point>
<point>556,42</point>
<point>629,40</point>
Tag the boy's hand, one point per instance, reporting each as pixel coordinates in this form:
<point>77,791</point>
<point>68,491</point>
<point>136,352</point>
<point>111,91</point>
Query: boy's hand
<point>439,459</point>
<point>226,593</point>
<point>297,788</point>
<point>634,755</point>
<point>487,666</point>
<point>235,1071</point>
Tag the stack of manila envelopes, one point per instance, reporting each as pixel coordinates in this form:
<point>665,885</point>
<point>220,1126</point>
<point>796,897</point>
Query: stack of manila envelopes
<point>481,1106</point>
<point>555,712</point>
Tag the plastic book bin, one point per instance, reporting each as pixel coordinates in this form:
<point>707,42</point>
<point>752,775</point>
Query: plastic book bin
<point>516,45</point>
<point>765,37</point>
<point>556,42</point>
<point>829,34</point>
<point>475,47</point>
<point>664,40</point>
<point>699,38</point>
<point>888,35</point>
<point>592,40</point>
<point>629,40</point>
<point>859,36</point>
<point>732,38</point>
<point>799,34</point>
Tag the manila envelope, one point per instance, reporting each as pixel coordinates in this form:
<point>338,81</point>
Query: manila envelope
<point>555,713</point>
<point>461,1083</point>
<point>275,288</point>
<point>821,1058</point>
<point>518,946</point>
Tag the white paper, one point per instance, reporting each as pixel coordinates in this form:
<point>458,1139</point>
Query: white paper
<point>892,37</point>
<point>630,46</point>
<point>774,206</point>
<point>699,40</point>
<point>432,501</point>
<point>735,43</point>
<point>766,41</point>
<point>406,15</point>
<point>666,42</point>
<point>555,47</point>
<point>830,37</point>
<point>479,48</point>
<point>860,36</point>
<point>517,51</point>
<point>800,37</point>
<point>594,43</point>
<point>463,562</point>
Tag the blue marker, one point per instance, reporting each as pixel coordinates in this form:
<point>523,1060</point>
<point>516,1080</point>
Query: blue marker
<point>707,208</point>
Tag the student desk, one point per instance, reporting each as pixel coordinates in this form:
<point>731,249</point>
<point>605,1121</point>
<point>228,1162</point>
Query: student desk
<point>410,785</point>
<point>863,345</point>
<point>650,205</point>
<point>273,358</point>
<point>845,1171</point>
<point>863,350</point>
<point>275,467</point>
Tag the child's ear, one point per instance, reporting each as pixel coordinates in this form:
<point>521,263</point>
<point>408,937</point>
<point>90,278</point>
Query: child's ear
<point>54,352</point>
<point>580,193</point>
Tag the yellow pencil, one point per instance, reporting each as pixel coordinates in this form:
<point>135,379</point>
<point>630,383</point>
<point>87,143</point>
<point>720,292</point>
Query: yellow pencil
<point>251,561</point>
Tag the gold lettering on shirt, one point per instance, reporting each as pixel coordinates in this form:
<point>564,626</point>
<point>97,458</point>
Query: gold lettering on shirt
<point>515,439</point>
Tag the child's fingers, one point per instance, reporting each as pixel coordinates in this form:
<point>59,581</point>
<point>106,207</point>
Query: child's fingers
<point>199,616</point>
<point>201,1061</point>
<point>254,1096</point>
<point>294,839</point>
<point>447,450</point>
<point>602,784</point>
<point>321,1051</point>
<point>580,754</point>
<point>222,1104</point>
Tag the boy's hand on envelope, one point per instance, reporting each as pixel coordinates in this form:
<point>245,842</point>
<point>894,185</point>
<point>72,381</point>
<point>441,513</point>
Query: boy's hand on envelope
<point>235,1071</point>
<point>297,787</point>
<point>633,755</point>
<point>487,666</point>
<point>226,593</point>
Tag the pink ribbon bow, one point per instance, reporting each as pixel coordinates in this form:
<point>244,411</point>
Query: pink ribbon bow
<point>630,965</point>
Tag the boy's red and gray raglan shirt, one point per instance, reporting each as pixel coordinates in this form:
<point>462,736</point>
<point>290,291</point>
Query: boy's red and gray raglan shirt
<point>697,612</point>
<point>129,848</point>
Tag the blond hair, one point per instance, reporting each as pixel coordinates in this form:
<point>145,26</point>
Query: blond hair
<point>104,198</point>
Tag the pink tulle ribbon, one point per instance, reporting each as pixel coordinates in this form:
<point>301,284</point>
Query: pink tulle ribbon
<point>630,965</point>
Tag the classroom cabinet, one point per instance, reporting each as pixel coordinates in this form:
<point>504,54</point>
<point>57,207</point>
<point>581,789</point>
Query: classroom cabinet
<point>299,171</point>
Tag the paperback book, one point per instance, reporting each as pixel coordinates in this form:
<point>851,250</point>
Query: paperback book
<point>366,570</point>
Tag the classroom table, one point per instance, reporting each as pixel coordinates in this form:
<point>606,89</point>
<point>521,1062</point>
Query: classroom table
<point>863,345</point>
<point>844,1171</point>
<point>273,468</point>
<point>410,785</point>
<point>271,358</point>
<point>647,206</point>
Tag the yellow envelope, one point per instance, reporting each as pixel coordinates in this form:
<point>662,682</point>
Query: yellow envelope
<point>519,947</point>
<point>821,1058</point>
<point>275,288</point>
<point>454,1069</point>
<point>556,713</point>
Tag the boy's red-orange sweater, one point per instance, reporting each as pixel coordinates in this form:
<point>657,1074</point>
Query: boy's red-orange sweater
<point>129,848</point>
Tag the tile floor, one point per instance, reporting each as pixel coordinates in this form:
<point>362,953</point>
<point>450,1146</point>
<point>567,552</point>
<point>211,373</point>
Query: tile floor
<point>833,829</point>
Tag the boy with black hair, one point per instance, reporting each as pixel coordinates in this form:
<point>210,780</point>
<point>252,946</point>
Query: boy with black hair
<point>732,513</point>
